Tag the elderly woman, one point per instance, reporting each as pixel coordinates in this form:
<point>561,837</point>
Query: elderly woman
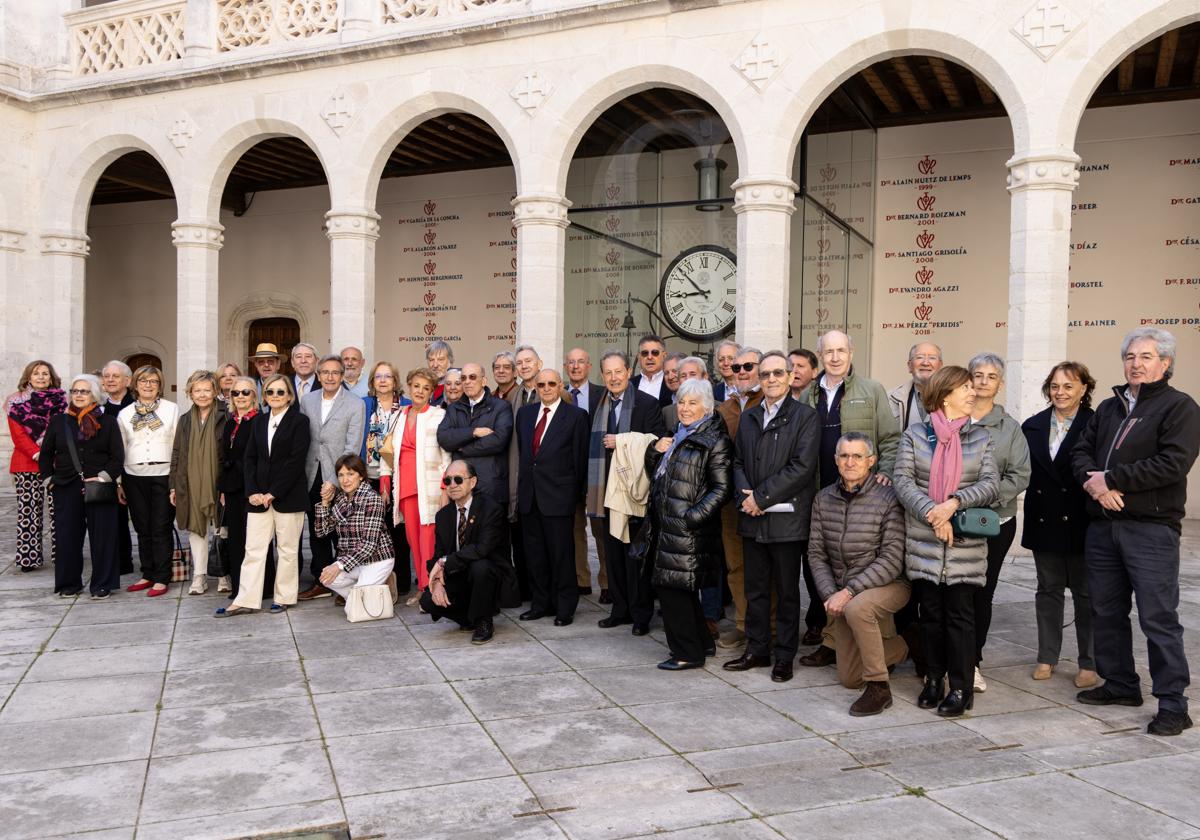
<point>383,404</point>
<point>1056,518</point>
<point>276,498</point>
<point>39,398</point>
<point>413,477</point>
<point>195,466</point>
<point>946,465</point>
<point>227,374</point>
<point>692,479</point>
<point>148,432</point>
<point>231,482</point>
<point>452,387</point>
<point>83,447</point>
<point>1012,464</point>
<point>364,546</point>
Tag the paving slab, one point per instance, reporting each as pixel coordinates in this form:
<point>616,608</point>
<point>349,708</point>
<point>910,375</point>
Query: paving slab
<point>897,816</point>
<point>616,648</point>
<point>573,739</point>
<point>638,684</point>
<point>503,660</point>
<point>531,694</point>
<point>99,662</point>
<point>216,686</point>
<point>224,653</point>
<point>370,640</point>
<point>76,742</point>
<point>359,673</point>
<point>76,799</point>
<point>114,635</point>
<point>388,709</point>
<point>64,699</point>
<point>743,721</point>
<point>1164,783</point>
<point>233,725</point>
<point>306,817</point>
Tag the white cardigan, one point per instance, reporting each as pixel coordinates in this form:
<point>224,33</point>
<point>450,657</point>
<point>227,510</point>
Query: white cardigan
<point>433,464</point>
<point>148,446</point>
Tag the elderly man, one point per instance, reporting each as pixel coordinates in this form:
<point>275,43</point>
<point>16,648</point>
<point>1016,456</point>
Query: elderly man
<point>856,552</point>
<point>528,363</point>
<point>439,358</point>
<point>335,419</point>
<point>745,395</point>
<point>353,361</point>
<point>586,394</point>
<point>115,377</point>
<point>652,355</point>
<point>478,429</point>
<point>1133,460</point>
<point>304,363</point>
<point>725,355</point>
<point>266,359</point>
<point>924,360</point>
<point>469,574</point>
<point>504,371</point>
<point>804,370</point>
<point>844,403</point>
<point>671,373</point>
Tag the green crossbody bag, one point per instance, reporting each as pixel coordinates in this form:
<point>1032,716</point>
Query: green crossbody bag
<point>969,522</point>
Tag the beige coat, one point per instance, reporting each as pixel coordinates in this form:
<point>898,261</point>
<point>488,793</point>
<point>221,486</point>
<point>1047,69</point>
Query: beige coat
<point>434,461</point>
<point>628,488</point>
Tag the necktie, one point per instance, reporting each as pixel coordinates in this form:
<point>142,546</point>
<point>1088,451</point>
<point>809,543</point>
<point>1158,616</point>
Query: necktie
<point>462,525</point>
<point>540,429</point>
<point>612,417</point>
<point>575,395</point>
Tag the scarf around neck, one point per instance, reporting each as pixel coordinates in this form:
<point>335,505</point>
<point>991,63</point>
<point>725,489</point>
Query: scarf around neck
<point>144,416</point>
<point>32,410</point>
<point>597,455</point>
<point>88,419</point>
<point>201,472</point>
<point>945,470</point>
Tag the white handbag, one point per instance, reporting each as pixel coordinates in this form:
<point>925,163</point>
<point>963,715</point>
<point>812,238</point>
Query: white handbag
<point>369,603</point>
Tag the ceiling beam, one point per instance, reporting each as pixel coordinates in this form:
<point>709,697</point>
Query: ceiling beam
<point>986,95</point>
<point>1125,73</point>
<point>905,73</point>
<point>1167,47</point>
<point>881,90</point>
<point>156,187</point>
<point>945,81</point>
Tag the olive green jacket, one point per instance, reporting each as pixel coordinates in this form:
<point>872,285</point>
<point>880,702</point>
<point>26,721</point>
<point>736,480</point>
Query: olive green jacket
<point>864,408</point>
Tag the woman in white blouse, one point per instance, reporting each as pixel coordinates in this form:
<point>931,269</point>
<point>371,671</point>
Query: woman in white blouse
<point>148,431</point>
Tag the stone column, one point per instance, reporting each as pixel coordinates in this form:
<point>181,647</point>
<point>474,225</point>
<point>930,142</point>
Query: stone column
<point>541,222</point>
<point>64,259</point>
<point>197,342</point>
<point>764,208</point>
<point>18,343</point>
<point>199,29</point>
<point>352,235</point>
<point>359,19</point>
<point>1039,263</point>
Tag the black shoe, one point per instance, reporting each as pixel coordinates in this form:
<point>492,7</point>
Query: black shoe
<point>1104,696</point>
<point>483,632</point>
<point>819,658</point>
<point>100,594</point>
<point>958,701</point>
<point>584,590</point>
<point>640,629</point>
<point>812,636</point>
<point>678,665</point>
<point>710,649</point>
<point>28,568</point>
<point>1165,722</point>
<point>531,615</point>
<point>609,621</point>
<point>565,621</point>
<point>932,693</point>
<point>70,592</point>
<point>747,661</point>
<point>782,672</point>
<point>605,598</point>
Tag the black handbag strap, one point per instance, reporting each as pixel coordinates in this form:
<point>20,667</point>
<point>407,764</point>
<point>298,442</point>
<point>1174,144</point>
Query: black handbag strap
<point>71,446</point>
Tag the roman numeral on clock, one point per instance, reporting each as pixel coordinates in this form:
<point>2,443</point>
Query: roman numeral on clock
<point>677,308</point>
<point>727,306</point>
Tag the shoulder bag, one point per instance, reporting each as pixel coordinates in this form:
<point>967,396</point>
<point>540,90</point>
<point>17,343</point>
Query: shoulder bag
<point>94,492</point>
<point>969,522</point>
<point>369,603</point>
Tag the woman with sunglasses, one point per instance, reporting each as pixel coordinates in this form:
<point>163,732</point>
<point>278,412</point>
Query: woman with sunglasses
<point>415,473</point>
<point>383,403</point>
<point>276,499</point>
<point>243,407</point>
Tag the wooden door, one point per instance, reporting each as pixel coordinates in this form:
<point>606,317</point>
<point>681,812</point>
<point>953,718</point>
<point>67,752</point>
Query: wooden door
<point>284,333</point>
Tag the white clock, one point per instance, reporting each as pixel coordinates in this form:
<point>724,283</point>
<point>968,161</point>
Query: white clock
<point>699,292</point>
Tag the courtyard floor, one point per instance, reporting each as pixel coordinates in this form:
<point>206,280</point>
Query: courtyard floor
<point>147,718</point>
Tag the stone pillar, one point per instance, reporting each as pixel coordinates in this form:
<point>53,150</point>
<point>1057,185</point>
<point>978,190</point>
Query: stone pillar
<point>359,19</point>
<point>199,29</point>
<point>541,222</point>
<point>1039,263</point>
<point>17,345</point>
<point>352,235</point>
<point>764,208</point>
<point>197,342</point>
<point>64,260</point>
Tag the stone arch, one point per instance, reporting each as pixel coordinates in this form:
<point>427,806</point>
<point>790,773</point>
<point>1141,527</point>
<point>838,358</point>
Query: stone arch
<point>254,305</point>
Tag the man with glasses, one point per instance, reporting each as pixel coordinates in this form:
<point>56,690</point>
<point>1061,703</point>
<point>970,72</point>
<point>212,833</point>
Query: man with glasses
<point>470,575</point>
<point>804,370</point>
<point>336,418</point>
<point>552,438</point>
<point>671,373</point>
<point>924,360</point>
<point>478,429</point>
<point>528,363</point>
<point>774,465</point>
<point>115,378</point>
<point>651,357</point>
<point>745,395</point>
<point>586,394</point>
<point>726,354</point>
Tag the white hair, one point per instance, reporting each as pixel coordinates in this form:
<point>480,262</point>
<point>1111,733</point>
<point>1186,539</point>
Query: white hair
<point>119,365</point>
<point>93,383</point>
<point>701,388</point>
<point>1164,342</point>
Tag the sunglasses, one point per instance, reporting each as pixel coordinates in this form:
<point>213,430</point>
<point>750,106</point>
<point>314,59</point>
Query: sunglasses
<point>452,479</point>
<point>241,393</point>
<point>645,353</point>
<point>744,366</point>
<point>471,377</point>
<point>775,373</point>
<point>547,385</point>
<point>272,392</point>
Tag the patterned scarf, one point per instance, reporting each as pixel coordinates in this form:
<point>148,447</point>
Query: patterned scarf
<point>597,457</point>
<point>237,424</point>
<point>88,419</point>
<point>32,410</point>
<point>145,418</point>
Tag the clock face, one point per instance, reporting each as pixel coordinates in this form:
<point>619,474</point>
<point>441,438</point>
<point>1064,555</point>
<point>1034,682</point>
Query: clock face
<point>699,290</point>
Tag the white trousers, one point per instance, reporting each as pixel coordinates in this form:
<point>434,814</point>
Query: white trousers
<point>198,543</point>
<point>286,528</point>
<point>368,574</point>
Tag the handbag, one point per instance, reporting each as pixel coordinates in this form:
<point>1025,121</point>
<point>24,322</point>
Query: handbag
<point>969,522</point>
<point>218,549</point>
<point>94,492</point>
<point>369,603</point>
<point>181,561</point>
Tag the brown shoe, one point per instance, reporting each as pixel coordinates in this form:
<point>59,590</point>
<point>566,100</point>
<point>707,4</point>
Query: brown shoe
<point>731,639</point>
<point>819,658</point>
<point>318,591</point>
<point>339,601</point>
<point>713,630</point>
<point>876,698</point>
<point>812,636</point>
<point>1086,678</point>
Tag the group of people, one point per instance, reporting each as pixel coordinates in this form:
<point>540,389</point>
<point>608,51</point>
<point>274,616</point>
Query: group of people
<point>896,509</point>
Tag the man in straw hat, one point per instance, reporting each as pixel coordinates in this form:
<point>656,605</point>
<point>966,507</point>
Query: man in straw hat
<point>266,359</point>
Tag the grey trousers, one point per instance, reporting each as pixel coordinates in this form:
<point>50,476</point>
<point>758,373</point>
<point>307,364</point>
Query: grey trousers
<point>1056,573</point>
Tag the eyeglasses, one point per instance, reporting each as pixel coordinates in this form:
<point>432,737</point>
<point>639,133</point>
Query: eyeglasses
<point>547,385</point>
<point>241,393</point>
<point>452,479</point>
<point>272,392</point>
<point>81,391</point>
<point>774,373</point>
<point>654,352</point>
<point>471,377</point>
<point>381,376</point>
<point>330,372</point>
<point>744,366</point>
<point>150,382</point>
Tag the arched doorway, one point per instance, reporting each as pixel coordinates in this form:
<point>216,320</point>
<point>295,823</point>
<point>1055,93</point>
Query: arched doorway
<point>284,333</point>
<point>138,360</point>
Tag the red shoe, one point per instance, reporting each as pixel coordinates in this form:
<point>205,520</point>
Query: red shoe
<point>138,587</point>
<point>154,593</point>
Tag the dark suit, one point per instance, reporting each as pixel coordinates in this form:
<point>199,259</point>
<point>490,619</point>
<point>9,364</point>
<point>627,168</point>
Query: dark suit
<point>583,573</point>
<point>279,471</point>
<point>517,398</point>
<point>549,487</point>
<point>478,574</point>
<point>124,540</point>
<point>665,395</point>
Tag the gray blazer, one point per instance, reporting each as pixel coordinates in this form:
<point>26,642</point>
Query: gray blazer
<point>340,434</point>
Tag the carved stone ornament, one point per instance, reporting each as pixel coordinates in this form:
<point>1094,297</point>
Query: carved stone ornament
<point>339,112</point>
<point>531,91</point>
<point>1046,26</point>
<point>759,61</point>
<point>181,132</point>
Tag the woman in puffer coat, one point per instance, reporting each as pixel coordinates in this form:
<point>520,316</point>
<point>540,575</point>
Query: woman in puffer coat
<point>692,479</point>
<point>946,465</point>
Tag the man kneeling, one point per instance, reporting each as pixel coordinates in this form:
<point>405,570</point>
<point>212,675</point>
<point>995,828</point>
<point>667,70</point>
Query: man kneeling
<point>470,559</point>
<point>856,551</point>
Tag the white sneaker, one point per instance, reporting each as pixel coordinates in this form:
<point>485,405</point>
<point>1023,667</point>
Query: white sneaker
<point>980,682</point>
<point>224,584</point>
<point>199,585</point>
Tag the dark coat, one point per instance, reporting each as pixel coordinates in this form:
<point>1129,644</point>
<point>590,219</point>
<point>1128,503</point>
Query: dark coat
<point>555,478</point>
<point>104,452</point>
<point>115,408</point>
<point>488,454</point>
<point>486,538</point>
<point>665,394</point>
<point>856,543</point>
<point>685,504</point>
<point>779,464</point>
<point>595,394</point>
<point>281,471</point>
<point>1056,517</point>
<point>647,413</point>
<point>178,479</point>
<point>232,479</point>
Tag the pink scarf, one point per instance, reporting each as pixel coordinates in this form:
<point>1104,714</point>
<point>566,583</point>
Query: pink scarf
<point>945,471</point>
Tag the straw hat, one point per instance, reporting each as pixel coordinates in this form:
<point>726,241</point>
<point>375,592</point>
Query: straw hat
<point>266,350</point>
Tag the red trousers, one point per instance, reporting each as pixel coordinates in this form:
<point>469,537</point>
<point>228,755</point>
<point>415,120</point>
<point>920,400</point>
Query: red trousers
<point>420,539</point>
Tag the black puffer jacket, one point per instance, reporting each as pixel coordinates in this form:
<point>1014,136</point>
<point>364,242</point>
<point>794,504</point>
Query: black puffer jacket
<point>685,506</point>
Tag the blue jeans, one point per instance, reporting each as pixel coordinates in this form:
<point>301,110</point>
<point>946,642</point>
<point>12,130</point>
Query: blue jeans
<point>1128,559</point>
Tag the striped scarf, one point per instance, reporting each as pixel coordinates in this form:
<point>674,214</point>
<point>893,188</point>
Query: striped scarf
<point>145,418</point>
<point>598,455</point>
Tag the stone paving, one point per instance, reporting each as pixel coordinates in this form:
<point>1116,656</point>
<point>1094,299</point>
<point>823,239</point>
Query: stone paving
<point>149,719</point>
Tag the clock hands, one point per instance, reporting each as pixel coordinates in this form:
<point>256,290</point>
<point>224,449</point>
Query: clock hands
<point>686,294</point>
<point>698,291</point>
